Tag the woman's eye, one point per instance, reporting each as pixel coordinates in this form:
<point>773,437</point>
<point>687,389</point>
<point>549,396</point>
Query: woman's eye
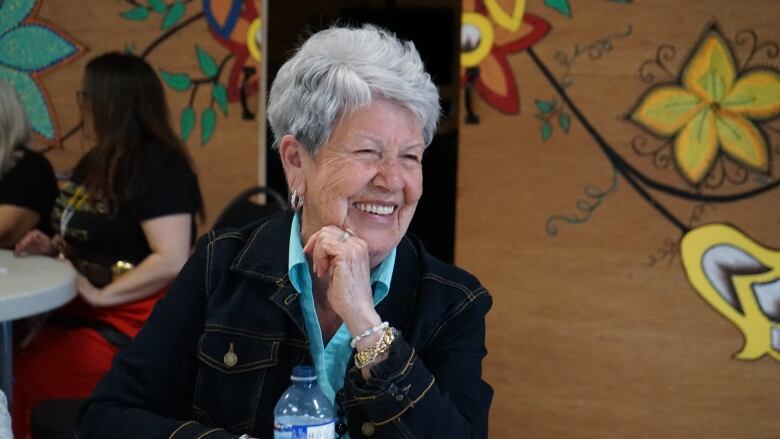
<point>367,151</point>
<point>412,157</point>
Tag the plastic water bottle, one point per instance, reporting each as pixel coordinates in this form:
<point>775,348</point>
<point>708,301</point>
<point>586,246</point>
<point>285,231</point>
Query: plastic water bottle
<point>303,411</point>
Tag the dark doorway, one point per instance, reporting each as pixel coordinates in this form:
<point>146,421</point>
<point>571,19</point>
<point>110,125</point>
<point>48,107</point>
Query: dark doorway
<point>434,27</point>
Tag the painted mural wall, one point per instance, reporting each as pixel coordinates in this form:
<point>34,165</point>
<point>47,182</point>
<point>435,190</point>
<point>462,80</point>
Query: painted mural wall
<point>205,51</point>
<point>618,194</point>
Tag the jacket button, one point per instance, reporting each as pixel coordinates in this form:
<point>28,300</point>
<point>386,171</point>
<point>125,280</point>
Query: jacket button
<point>340,396</point>
<point>368,429</point>
<point>230,359</point>
<point>341,428</point>
<point>399,397</point>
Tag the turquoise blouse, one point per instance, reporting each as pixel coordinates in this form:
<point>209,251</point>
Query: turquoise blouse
<point>330,361</point>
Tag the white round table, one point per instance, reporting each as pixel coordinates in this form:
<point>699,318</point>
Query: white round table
<point>29,285</point>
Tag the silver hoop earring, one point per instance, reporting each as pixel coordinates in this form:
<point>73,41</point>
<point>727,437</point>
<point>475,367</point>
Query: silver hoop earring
<point>296,201</point>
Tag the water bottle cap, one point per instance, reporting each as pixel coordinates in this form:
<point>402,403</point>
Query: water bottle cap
<point>303,373</point>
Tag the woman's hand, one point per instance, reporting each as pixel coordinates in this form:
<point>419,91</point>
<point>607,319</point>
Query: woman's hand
<point>169,240</point>
<point>34,242</point>
<point>343,258</point>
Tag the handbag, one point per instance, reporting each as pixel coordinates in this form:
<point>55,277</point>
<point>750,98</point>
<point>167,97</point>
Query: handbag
<point>99,273</point>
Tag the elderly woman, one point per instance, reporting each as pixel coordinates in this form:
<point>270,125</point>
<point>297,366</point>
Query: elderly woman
<point>396,336</point>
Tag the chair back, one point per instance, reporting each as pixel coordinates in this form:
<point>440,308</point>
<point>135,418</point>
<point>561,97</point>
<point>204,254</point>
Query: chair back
<point>242,210</point>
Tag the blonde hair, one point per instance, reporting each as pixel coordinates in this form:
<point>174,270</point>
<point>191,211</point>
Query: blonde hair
<point>14,127</point>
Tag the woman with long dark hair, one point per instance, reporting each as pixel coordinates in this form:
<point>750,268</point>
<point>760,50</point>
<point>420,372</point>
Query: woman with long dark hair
<point>125,219</point>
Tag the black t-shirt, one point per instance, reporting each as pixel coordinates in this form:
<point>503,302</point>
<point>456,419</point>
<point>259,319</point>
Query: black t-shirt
<point>112,232</point>
<point>31,184</point>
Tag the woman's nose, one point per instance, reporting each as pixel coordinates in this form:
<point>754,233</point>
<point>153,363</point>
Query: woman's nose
<point>389,176</point>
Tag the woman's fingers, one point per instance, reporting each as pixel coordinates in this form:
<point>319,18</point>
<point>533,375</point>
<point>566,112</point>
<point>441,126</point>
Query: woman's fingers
<point>310,243</point>
<point>332,243</point>
<point>309,249</point>
<point>23,244</point>
<point>321,250</point>
<point>34,242</point>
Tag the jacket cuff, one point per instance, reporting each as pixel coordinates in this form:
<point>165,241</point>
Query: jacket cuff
<point>192,429</point>
<point>396,384</point>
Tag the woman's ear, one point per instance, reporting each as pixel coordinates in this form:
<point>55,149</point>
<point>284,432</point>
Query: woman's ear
<point>291,153</point>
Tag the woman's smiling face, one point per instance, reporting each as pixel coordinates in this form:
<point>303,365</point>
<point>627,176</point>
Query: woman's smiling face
<point>367,178</point>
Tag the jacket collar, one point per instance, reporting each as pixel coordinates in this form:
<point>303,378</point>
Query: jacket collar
<point>264,255</point>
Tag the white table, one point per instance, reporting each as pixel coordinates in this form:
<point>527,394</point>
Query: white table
<point>29,285</point>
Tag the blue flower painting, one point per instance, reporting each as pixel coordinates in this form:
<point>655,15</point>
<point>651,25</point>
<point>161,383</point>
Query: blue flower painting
<point>30,47</point>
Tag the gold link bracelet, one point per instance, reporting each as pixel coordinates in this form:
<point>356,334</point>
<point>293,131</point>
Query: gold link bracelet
<point>366,356</point>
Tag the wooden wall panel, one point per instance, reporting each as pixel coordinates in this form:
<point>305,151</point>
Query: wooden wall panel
<point>588,337</point>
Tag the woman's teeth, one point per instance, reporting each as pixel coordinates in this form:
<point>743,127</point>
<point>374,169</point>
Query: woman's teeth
<point>375,208</point>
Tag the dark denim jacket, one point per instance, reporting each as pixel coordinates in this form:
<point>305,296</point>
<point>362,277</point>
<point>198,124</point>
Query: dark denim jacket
<point>233,295</point>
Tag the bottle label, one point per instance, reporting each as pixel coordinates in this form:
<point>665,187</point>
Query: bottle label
<point>321,431</point>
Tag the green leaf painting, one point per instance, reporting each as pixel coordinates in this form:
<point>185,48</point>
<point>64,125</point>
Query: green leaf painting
<point>564,121</point>
<point>551,113</point>
<point>207,64</point>
<point>219,94</point>
<point>174,14</point>
<point>208,120</point>
<point>13,12</point>
<point>176,81</point>
<point>545,106</point>
<point>29,48</point>
<point>33,47</point>
<point>187,122</point>
<point>561,6</point>
<point>157,6</point>
<point>138,13</point>
<point>547,131</point>
<point>32,99</point>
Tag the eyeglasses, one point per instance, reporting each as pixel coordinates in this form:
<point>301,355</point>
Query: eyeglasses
<point>81,97</point>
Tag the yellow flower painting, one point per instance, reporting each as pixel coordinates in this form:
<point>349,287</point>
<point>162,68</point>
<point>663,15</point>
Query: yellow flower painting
<point>713,109</point>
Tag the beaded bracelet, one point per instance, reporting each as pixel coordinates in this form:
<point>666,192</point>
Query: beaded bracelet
<point>368,332</point>
<point>369,355</point>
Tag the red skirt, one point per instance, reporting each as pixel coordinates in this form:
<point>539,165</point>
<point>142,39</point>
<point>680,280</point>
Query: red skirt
<point>68,363</point>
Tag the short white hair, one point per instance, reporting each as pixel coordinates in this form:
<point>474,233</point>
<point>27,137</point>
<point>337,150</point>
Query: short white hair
<point>340,69</point>
<point>14,127</point>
